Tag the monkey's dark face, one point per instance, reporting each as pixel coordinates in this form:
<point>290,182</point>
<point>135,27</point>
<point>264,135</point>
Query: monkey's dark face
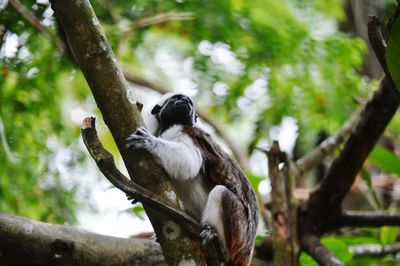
<point>176,110</point>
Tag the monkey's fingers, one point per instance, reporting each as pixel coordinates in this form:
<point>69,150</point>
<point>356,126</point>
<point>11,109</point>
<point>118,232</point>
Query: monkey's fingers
<point>131,198</point>
<point>210,236</point>
<point>133,140</point>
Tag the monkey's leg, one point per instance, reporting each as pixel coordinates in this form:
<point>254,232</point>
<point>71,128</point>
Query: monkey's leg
<point>226,215</point>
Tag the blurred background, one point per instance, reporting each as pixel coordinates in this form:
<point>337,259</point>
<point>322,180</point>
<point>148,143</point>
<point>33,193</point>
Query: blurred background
<point>258,71</point>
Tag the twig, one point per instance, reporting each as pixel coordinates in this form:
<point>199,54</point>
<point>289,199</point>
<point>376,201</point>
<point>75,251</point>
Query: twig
<point>368,218</point>
<point>163,17</point>
<point>318,251</point>
<point>140,81</point>
<point>326,147</point>
<point>37,24</point>
<point>151,20</point>
<point>374,250</point>
<point>105,162</point>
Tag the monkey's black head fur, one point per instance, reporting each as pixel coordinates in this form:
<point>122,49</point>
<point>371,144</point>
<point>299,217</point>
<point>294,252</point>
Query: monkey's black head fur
<point>176,110</point>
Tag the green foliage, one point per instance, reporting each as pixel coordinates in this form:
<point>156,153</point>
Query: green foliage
<point>389,234</point>
<point>385,160</point>
<point>250,63</point>
<point>338,247</point>
<point>393,52</point>
<point>368,180</point>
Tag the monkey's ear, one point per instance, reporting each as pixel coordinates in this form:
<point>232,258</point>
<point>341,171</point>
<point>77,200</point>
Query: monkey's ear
<point>156,110</point>
<point>195,118</point>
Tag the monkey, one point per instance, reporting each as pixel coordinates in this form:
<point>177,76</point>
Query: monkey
<point>210,184</point>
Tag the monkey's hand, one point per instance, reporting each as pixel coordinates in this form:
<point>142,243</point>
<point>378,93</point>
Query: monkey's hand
<point>210,236</point>
<point>141,139</point>
<point>131,198</point>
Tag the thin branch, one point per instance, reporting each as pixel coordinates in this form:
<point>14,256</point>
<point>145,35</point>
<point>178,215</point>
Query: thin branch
<point>140,81</point>
<point>326,147</point>
<point>37,24</point>
<point>151,20</point>
<point>27,242</point>
<point>374,250</point>
<point>105,162</point>
<point>318,251</point>
<point>368,219</point>
<point>161,18</point>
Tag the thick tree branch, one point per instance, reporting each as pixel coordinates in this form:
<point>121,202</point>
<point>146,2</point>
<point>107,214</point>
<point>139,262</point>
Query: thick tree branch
<point>94,56</point>
<point>368,219</point>
<point>27,242</point>
<point>283,208</point>
<point>373,120</point>
<point>326,147</point>
<point>318,251</point>
<point>374,250</point>
<point>105,162</point>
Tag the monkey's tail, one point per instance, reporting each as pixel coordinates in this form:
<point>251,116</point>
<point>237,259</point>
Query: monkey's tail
<point>239,259</point>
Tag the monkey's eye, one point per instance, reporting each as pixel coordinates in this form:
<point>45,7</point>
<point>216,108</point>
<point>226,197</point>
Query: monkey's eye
<point>156,110</point>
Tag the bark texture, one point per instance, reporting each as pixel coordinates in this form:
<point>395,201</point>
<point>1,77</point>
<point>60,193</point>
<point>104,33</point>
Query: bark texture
<point>27,242</point>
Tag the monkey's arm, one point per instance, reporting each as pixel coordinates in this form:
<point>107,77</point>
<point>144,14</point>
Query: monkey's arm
<point>175,150</point>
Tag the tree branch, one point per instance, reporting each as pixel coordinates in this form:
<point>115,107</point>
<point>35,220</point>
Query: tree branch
<point>326,147</point>
<point>374,250</point>
<point>368,219</point>
<point>160,18</point>
<point>283,208</point>
<point>105,162</point>
<point>94,56</point>
<point>318,251</point>
<point>373,120</point>
<point>27,242</point>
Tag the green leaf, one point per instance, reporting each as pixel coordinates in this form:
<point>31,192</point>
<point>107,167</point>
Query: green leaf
<point>389,234</point>
<point>254,179</point>
<point>393,52</point>
<point>385,160</point>
<point>367,178</point>
<point>338,247</point>
<point>138,210</point>
<point>306,260</point>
